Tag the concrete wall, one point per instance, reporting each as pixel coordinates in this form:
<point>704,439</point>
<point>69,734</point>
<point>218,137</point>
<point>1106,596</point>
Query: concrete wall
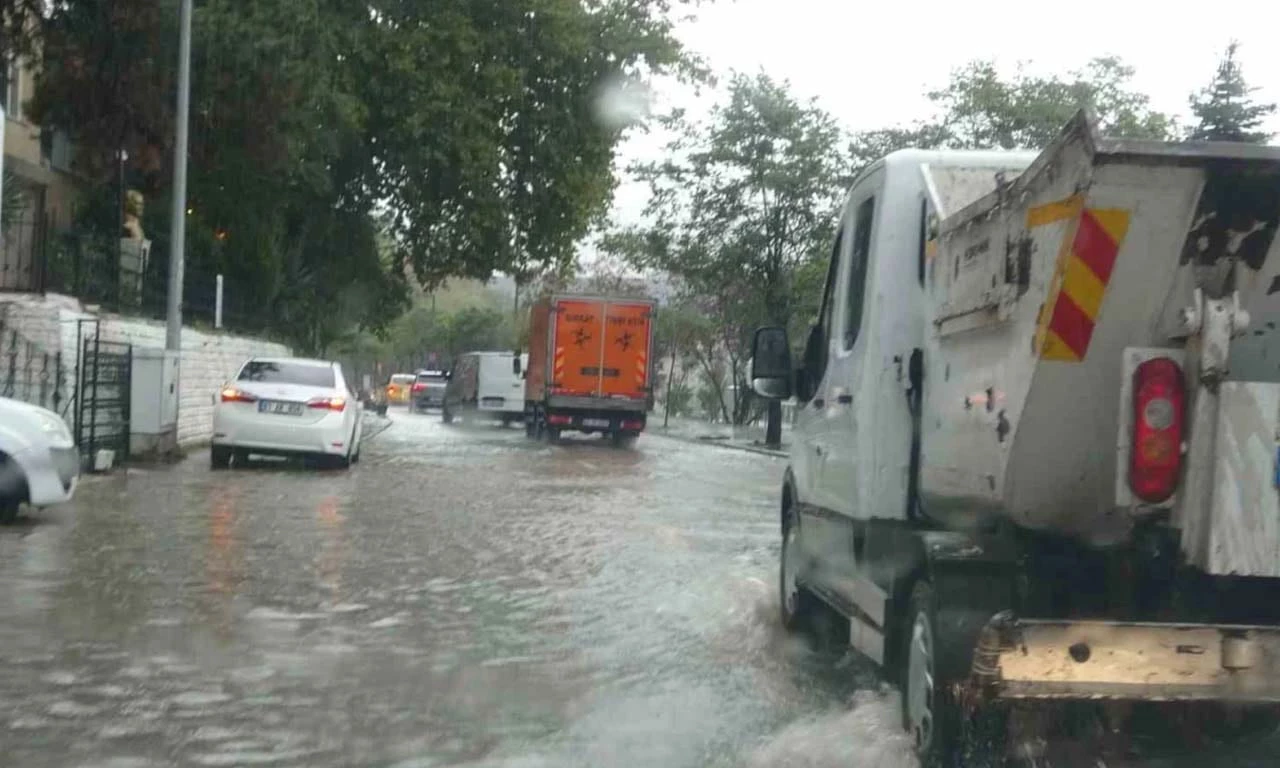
<point>208,359</point>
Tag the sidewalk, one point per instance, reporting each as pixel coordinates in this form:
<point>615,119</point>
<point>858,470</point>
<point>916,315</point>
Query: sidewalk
<point>745,438</point>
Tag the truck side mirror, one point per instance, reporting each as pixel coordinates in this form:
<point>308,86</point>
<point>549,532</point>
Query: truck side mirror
<point>771,363</point>
<point>515,364</point>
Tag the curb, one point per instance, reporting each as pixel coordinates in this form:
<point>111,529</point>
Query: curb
<point>727,444</point>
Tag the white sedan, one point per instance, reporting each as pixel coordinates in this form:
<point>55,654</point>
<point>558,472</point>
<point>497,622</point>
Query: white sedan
<point>39,462</point>
<point>286,406</point>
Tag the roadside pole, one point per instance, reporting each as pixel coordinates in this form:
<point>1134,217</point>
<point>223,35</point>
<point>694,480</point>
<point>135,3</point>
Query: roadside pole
<point>178,220</point>
<point>4,118</point>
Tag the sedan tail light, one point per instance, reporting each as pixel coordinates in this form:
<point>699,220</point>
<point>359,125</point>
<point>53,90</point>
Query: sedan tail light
<point>418,386</point>
<point>328,403</point>
<point>233,395</point>
<point>1156,459</point>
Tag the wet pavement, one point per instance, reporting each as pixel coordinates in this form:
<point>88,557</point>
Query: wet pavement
<point>462,597</point>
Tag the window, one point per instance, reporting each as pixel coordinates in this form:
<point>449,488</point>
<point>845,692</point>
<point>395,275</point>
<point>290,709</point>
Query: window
<point>815,349</point>
<point>285,372</point>
<point>854,299</point>
<point>13,90</point>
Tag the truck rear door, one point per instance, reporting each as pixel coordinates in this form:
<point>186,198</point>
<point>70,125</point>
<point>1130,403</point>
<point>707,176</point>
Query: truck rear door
<point>577,351</point>
<point>626,350</point>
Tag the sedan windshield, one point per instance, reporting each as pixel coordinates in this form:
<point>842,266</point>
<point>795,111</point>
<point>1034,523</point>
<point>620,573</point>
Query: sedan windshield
<point>283,372</point>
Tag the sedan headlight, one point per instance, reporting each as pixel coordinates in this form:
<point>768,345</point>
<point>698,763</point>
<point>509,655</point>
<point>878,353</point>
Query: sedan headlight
<point>53,426</point>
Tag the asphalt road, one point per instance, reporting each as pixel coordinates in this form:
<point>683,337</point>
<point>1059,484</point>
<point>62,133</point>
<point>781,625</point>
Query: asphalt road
<point>462,597</point>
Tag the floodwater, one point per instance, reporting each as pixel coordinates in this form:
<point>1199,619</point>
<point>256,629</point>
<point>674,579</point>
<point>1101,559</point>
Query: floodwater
<point>462,597</point>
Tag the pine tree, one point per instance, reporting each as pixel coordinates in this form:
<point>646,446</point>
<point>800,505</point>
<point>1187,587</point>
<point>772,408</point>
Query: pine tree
<point>1225,109</point>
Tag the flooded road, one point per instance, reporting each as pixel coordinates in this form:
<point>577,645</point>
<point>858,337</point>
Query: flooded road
<point>460,597</point>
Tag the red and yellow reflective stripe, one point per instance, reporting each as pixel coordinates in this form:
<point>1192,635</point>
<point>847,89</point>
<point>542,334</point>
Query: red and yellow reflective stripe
<point>1085,262</point>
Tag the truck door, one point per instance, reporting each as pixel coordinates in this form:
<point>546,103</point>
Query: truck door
<point>825,538</point>
<point>576,354</point>
<point>625,371</point>
<point>852,386</point>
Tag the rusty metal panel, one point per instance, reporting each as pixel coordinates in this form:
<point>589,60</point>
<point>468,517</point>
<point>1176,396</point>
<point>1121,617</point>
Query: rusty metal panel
<point>1037,659</point>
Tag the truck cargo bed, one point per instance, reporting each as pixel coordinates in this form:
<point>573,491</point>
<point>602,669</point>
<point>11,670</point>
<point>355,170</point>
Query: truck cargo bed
<point>1038,289</point>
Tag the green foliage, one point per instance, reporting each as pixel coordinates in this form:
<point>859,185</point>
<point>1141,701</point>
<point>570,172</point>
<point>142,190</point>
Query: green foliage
<point>337,148</point>
<point>678,398</point>
<point>744,206</point>
<point>462,316</point>
<point>980,109</point>
<point>1225,109</point>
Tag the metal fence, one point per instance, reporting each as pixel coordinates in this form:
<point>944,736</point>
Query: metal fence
<point>100,271</point>
<point>103,398</point>
<point>30,373</point>
<point>23,249</point>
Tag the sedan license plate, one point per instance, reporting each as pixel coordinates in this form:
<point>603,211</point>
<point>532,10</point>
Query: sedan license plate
<point>595,422</point>
<point>280,406</point>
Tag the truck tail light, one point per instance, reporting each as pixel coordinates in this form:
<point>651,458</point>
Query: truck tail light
<point>1159,394</point>
<point>633,424</point>
<point>559,419</point>
<point>233,395</point>
<point>328,403</point>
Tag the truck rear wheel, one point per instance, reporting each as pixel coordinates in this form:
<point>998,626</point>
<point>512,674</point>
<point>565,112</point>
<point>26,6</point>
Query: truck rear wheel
<point>796,604</point>
<point>936,655</point>
<point>929,715</point>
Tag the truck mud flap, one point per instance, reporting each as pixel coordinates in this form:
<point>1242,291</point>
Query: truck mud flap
<point>1097,660</point>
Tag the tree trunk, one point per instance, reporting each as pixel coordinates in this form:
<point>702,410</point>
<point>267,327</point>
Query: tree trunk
<point>773,429</point>
<point>671,374</point>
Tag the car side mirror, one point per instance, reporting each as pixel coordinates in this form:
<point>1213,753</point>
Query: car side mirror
<point>771,363</point>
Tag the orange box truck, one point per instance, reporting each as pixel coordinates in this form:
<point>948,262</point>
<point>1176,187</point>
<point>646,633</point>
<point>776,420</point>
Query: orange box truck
<point>589,366</point>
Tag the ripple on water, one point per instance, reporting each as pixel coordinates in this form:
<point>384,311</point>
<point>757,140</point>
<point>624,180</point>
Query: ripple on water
<point>200,698</point>
<point>868,733</point>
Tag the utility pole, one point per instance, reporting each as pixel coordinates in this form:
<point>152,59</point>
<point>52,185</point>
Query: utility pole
<point>178,221</point>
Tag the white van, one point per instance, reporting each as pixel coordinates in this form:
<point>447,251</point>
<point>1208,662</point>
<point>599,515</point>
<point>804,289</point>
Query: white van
<point>488,383</point>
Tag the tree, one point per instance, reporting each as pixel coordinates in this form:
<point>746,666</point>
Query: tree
<point>683,338</point>
<point>980,109</point>
<point>1225,108</point>
<point>745,203</point>
<point>492,147</point>
<point>339,147</point>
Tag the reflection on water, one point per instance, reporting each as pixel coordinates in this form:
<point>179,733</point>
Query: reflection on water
<point>462,597</point>
<point>224,559</point>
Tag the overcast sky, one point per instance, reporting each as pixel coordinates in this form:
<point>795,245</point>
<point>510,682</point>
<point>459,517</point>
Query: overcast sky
<point>869,63</point>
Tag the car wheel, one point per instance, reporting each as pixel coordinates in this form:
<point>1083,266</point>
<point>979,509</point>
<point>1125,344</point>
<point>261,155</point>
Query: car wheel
<point>220,457</point>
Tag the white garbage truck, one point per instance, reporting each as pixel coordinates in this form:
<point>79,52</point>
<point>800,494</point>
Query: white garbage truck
<point>1036,457</point>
